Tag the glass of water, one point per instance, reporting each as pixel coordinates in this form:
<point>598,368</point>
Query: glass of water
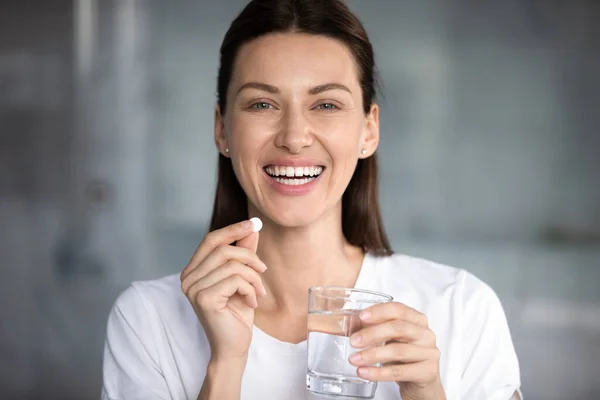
<point>332,319</point>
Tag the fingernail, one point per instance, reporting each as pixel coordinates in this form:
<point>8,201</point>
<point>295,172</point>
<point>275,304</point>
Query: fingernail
<point>355,357</point>
<point>247,224</point>
<point>365,315</point>
<point>364,371</point>
<point>264,291</point>
<point>355,340</point>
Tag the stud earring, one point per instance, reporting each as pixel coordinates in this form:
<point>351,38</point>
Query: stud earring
<point>227,150</point>
<point>364,152</point>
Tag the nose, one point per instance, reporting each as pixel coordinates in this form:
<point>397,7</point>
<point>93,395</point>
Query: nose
<point>295,132</point>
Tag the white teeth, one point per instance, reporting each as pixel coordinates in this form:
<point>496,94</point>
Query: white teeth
<point>291,172</point>
<point>293,182</point>
<point>312,171</point>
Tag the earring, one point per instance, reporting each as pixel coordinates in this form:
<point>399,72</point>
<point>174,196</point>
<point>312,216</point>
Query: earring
<point>364,152</point>
<point>227,150</point>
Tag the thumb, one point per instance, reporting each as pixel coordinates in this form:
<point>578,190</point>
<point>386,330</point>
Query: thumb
<point>250,242</point>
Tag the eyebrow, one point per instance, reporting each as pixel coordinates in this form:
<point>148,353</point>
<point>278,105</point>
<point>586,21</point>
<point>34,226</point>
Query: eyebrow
<point>260,86</point>
<point>312,91</point>
<point>328,86</point>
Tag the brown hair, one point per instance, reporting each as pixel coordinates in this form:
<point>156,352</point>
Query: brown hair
<point>361,217</point>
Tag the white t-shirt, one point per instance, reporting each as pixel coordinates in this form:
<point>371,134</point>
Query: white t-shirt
<point>156,348</point>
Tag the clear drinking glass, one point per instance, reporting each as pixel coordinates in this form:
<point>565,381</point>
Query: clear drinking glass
<point>332,319</point>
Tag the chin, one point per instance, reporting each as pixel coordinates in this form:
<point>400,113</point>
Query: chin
<point>294,218</point>
<point>291,213</point>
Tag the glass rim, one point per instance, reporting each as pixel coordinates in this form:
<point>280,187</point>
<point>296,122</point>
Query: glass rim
<point>319,290</point>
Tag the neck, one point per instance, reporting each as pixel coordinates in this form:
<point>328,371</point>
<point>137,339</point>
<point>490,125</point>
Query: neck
<point>298,258</point>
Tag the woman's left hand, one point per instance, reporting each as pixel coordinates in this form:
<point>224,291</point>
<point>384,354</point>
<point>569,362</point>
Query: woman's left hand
<point>409,357</point>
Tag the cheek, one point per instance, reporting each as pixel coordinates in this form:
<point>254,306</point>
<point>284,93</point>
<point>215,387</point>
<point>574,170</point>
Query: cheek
<point>247,140</point>
<point>343,141</point>
<point>345,127</point>
<point>343,150</point>
<point>249,132</point>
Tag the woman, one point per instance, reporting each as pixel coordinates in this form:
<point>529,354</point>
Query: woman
<point>297,127</point>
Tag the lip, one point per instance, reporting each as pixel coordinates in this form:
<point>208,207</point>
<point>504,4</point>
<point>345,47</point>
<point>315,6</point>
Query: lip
<point>294,162</point>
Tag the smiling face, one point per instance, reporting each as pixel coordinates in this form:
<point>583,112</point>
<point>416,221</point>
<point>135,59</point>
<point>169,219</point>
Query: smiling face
<point>295,126</point>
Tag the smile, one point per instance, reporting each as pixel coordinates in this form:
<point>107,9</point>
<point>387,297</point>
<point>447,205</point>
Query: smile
<point>293,176</point>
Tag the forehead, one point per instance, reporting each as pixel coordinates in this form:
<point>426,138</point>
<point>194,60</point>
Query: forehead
<point>295,59</point>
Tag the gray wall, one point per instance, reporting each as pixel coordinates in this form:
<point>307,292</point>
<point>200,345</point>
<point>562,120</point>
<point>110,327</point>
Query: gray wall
<point>490,162</point>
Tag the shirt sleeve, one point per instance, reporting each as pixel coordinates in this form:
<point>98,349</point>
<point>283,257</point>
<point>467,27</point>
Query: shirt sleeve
<point>130,368</point>
<point>490,364</point>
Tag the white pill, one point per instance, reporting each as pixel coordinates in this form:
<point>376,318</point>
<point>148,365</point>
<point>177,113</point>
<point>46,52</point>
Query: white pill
<point>257,224</point>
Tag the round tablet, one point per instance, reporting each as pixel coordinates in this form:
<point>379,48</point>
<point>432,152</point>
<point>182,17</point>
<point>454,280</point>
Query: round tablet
<point>257,224</point>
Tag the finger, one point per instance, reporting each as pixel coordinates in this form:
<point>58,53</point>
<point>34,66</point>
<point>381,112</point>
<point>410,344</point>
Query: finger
<point>394,352</point>
<point>212,240</point>
<point>396,330</point>
<point>215,297</point>
<point>414,372</point>
<point>250,242</point>
<point>393,310</point>
<point>225,271</point>
<point>219,257</point>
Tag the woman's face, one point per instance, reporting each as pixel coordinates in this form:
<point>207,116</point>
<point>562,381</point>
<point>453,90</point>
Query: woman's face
<point>295,125</point>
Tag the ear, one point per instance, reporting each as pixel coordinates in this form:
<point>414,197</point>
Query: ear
<point>370,139</point>
<point>221,140</point>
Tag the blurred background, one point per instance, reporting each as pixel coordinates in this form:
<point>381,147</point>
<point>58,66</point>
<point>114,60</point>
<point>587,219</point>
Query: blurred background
<point>490,162</point>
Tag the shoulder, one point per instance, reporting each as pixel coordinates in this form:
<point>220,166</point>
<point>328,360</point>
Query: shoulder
<point>428,283</point>
<point>429,275</point>
<point>168,287</point>
<point>150,290</point>
<point>144,300</point>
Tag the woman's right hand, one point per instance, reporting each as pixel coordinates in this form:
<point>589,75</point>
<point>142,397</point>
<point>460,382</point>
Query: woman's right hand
<point>222,283</point>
